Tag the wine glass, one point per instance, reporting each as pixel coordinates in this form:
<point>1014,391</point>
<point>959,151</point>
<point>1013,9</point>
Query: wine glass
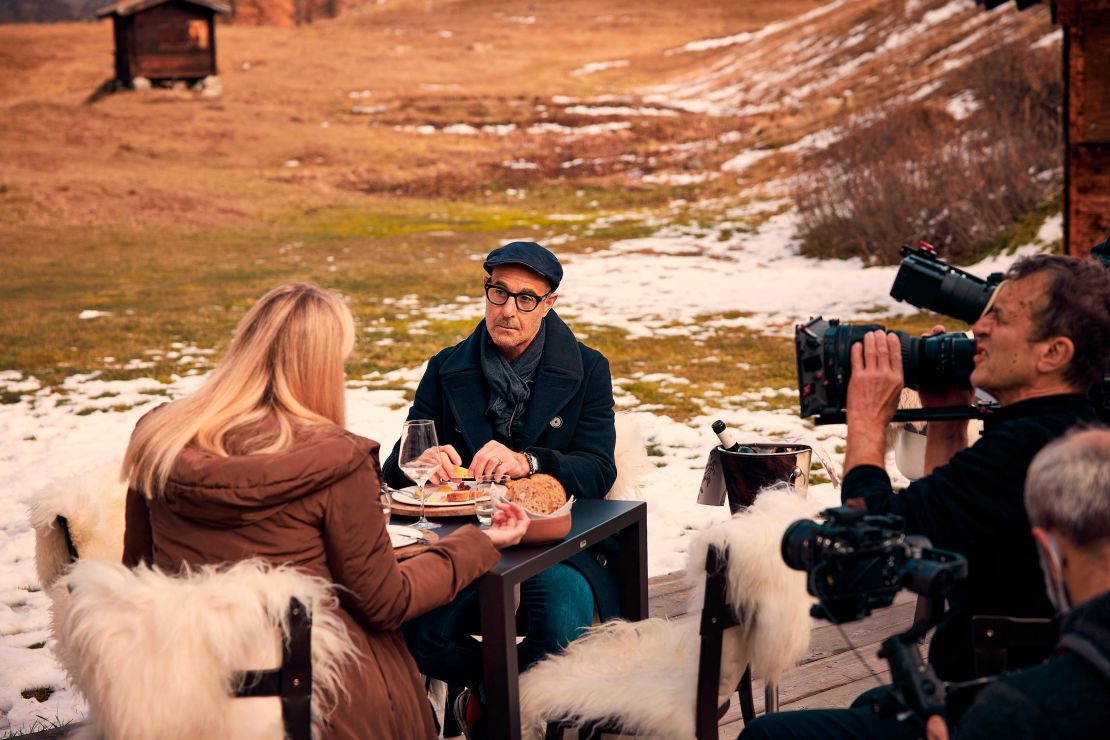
<point>419,457</point>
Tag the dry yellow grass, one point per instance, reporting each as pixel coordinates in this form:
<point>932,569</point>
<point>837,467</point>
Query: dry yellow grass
<point>175,212</point>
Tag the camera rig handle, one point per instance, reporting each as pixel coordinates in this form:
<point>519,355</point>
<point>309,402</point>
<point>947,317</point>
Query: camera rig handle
<point>936,413</point>
<point>918,687</point>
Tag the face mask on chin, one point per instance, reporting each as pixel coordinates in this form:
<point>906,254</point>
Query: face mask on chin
<point>1054,589</point>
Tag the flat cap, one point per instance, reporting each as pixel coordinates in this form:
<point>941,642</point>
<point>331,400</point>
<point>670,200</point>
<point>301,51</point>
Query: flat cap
<point>527,254</point>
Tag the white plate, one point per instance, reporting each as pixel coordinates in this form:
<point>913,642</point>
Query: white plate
<point>411,496</point>
<point>401,536</point>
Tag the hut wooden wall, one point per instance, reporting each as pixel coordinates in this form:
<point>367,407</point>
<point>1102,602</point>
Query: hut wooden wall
<point>172,41</point>
<point>1086,25</point>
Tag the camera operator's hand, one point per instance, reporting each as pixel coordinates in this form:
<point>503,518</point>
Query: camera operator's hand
<point>936,729</point>
<point>873,393</point>
<point>944,438</point>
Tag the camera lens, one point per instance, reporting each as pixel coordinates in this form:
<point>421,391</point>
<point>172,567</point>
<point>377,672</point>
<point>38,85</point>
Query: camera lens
<point>926,282</point>
<point>941,361</point>
<point>798,544</point>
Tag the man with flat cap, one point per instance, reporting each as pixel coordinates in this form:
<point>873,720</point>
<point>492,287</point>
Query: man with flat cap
<point>520,395</point>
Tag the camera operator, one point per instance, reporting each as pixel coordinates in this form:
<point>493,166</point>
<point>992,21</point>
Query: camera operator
<point>1068,499</point>
<point>1041,345</point>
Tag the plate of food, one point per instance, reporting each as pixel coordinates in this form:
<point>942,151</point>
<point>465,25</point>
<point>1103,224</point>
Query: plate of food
<point>454,493</point>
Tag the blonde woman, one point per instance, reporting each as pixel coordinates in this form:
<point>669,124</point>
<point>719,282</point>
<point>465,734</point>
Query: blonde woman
<point>257,463</point>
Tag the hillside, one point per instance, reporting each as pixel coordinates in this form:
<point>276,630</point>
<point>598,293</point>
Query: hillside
<point>434,129</point>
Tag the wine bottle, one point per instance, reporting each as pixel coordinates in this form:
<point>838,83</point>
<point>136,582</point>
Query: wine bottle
<point>728,441</point>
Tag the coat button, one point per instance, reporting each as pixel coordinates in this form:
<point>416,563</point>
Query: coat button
<point>556,422</point>
<point>602,560</point>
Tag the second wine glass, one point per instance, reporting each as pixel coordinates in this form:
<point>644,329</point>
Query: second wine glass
<point>418,459</point>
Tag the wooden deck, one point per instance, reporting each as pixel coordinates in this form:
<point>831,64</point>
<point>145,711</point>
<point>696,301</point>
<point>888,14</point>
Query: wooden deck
<point>831,675</point>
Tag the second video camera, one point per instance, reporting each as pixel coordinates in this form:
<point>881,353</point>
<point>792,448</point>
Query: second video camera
<point>855,563</point>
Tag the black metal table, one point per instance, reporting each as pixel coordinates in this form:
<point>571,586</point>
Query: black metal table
<point>592,521</point>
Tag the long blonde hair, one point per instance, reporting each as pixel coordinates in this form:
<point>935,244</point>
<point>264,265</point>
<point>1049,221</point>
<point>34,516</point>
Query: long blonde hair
<point>284,369</point>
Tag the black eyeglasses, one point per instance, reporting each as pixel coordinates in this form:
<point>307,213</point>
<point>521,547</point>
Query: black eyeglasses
<point>525,302</point>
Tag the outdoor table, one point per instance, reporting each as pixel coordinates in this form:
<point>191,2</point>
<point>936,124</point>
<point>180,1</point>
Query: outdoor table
<point>591,522</point>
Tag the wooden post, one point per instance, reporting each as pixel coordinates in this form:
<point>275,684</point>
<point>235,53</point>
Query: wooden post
<point>1086,66</point>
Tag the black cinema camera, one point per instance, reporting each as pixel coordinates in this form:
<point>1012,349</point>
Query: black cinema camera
<point>854,563</point>
<point>825,364</point>
<point>823,348</point>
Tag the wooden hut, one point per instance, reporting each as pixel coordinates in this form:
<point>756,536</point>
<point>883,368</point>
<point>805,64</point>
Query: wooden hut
<point>1086,25</point>
<point>164,39</point>
<point>1086,77</point>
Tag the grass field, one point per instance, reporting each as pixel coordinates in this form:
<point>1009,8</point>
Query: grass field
<point>173,212</point>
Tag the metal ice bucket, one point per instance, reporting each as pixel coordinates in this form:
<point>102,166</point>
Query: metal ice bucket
<point>739,476</point>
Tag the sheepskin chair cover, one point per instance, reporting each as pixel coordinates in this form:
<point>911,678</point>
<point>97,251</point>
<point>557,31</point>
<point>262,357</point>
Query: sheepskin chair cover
<point>155,656</point>
<point>631,458</point>
<point>93,505</point>
<point>643,675</point>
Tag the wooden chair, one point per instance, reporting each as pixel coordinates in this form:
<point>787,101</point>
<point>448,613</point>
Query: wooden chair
<point>245,651</point>
<point>995,638</point>
<point>717,617</point>
<point>291,681</point>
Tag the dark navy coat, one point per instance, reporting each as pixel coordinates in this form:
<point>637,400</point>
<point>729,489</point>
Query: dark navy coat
<point>568,426</point>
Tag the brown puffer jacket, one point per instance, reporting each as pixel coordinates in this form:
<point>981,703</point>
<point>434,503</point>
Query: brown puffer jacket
<point>314,506</point>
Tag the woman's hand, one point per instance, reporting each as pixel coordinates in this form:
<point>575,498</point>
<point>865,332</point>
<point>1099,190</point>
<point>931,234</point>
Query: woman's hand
<point>510,522</point>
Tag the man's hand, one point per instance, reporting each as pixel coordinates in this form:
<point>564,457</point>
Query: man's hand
<point>936,729</point>
<point>873,393</point>
<point>510,522</point>
<point>448,459</point>
<point>495,457</point>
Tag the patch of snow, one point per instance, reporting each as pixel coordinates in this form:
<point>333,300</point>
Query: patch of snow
<point>617,110</point>
<point>679,178</point>
<point>587,130</point>
<point>1052,38</point>
<point>460,129</point>
<point>1052,230</point>
<point>963,105</point>
<point>592,67</point>
<point>746,159</point>
<point>746,37</point>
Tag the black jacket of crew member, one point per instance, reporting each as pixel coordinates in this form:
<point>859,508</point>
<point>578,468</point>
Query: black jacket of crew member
<point>975,505</point>
<point>1066,697</point>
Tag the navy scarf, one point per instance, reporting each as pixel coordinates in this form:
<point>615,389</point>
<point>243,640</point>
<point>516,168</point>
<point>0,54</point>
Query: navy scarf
<point>510,384</point>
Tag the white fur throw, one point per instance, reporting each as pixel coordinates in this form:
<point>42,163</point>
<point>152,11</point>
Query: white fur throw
<point>644,674</point>
<point>93,505</point>
<point>631,459</point>
<point>155,656</point>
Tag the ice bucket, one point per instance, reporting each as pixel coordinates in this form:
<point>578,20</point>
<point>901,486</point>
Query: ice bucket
<point>739,476</point>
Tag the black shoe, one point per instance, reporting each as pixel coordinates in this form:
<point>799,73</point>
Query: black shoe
<point>470,716</point>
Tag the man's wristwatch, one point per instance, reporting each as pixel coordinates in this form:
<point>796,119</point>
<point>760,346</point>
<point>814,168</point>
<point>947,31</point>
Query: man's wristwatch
<point>533,463</point>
